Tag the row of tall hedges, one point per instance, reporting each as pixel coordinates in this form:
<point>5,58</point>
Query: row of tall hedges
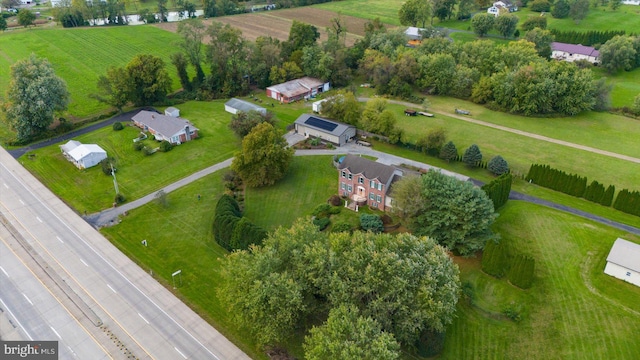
<point>498,260</point>
<point>231,230</point>
<point>572,184</point>
<point>499,189</point>
<point>588,38</point>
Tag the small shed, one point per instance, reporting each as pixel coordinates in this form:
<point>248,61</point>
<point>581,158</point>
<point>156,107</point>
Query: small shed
<point>317,106</point>
<point>83,156</point>
<point>234,105</point>
<point>623,261</point>
<point>171,111</point>
<point>335,132</point>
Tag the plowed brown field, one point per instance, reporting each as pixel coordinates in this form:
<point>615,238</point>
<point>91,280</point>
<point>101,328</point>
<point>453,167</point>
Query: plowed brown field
<point>277,23</point>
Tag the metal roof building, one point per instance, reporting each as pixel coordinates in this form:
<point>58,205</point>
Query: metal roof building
<point>623,261</point>
<point>335,132</point>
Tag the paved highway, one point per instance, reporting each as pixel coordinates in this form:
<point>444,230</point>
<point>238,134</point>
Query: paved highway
<point>117,302</point>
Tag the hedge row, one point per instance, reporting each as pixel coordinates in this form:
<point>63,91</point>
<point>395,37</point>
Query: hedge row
<point>588,38</point>
<point>543,175</point>
<point>231,230</point>
<point>498,261</point>
<point>498,190</point>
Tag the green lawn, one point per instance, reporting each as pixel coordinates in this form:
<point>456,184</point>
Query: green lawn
<point>562,319</point>
<point>626,85</point>
<point>599,18</point>
<point>137,174</point>
<point>603,131</point>
<point>80,55</point>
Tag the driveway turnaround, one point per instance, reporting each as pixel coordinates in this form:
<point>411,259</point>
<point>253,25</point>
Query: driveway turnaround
<point>112,299</point>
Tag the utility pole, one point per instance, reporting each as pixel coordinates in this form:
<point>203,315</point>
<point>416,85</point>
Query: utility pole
<point>115,181</point>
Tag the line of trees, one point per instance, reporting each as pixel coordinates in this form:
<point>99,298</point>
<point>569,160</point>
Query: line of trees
<point>499,260</point>
<point>498,190</point>
<point>575,185</point>
<point>231,230</point>
<point>587,38</point>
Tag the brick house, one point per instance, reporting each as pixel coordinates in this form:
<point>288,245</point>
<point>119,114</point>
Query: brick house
<point>367,182</point>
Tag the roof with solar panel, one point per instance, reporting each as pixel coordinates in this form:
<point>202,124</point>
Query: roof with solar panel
<point>325,125</point>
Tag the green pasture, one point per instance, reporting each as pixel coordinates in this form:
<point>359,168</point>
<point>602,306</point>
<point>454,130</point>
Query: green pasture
<point>137,174</point>
<point>625,85</point>
<point>80,56</point>
<point>627,18</point>
<point>180,237</point>
<point>386,10</point>
<point>561,317</point>
<point>464,37</point>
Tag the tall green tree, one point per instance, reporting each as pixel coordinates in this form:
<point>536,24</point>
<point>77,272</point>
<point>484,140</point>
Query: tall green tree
<point>542,40</point>
<point>228,60</point>
<point>506,24</point>
<point>3,23</point>
<point>34,95</point>
<point>343,106</point>
<point>578,10</point>
<point>348,335</point>
<point>149,81</point>
<point>482,23</point>
<point>618,54</point>
<point>26,17</point>
<point>192,32</point>
<point>162,10</point>
<point>560,9</point>
<point>449,152</point>
<point>437,72</point>
<point>300,35</point>
<point>376,118</point>
<point>415,13</point>
<point>113,88</point>
<point>455,213</point>
<point>264,158</point>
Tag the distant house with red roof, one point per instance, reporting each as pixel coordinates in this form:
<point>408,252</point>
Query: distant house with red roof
<point>572,52</point>
<point>297,89</point>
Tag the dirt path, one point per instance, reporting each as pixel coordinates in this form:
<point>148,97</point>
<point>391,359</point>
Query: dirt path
<point>523,133</point>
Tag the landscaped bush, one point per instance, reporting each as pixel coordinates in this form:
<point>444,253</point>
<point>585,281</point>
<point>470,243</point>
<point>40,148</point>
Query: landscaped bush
<point>540,6</point>
<point>371,222</point>
<point>321,210</point>
<point>138,145</point>
<point>472,156</point>
<point>165,146</point>
<point>120,198</point>
<point>231,230</point>
<point>321,223</point>
<point>335,200</point>
<point>148,151</point>
<point>246,233</point>
<point>117,126</point>
<point>341,227</point>
<point>105,164</point>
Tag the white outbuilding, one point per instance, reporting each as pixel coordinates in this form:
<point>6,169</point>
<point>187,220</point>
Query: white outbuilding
<point>234,105</point>
<point>173,112</point>
<point>83,156</point>
<point>623,261</point>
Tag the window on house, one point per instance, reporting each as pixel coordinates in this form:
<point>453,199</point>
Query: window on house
<point>372,184</point>
<point>361,180</point>
<point>350,189</point>
<point>344,174</point>
<point>342,186</point>
<point>380,186</point>
<point>378,198</point>
<point>375,205</point>
<point>350,176</point>
<point>372,196</point>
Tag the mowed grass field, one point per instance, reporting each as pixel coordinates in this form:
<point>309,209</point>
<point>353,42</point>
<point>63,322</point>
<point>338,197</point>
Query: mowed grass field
<point>573,310</point>
<point>137,174</point>
<point>80,56</point>
<point>386,10</point>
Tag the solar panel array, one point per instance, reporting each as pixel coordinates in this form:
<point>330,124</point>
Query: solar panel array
<point>321,124</point>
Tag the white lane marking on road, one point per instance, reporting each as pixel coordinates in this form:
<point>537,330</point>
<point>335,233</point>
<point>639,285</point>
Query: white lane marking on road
<point>54,330</point>
<point>71,350</point>
<point>109,286</point>
<point>5,185</point>
<point>4,271</point>
<point>85,264</point>
<point>180,352</point>
<point>112,266</point>
<point>16,319</point>
<point>58,237</point>
<point>145,320</point>
<point>21,202</point>
<point>39,219</point>
<point>29,300</point>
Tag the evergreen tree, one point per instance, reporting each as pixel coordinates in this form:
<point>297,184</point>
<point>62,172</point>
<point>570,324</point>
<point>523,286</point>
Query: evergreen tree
<point>449,152</point>
<point>607,198</point>
<point>472,156</point>
<point>498,166</point>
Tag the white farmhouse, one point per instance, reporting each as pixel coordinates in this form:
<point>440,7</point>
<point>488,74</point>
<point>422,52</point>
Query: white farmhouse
<point>502,5</point>
<point>623,261</point>
<point>83,156</point>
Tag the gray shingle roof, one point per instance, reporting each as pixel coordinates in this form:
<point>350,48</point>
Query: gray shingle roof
<point>339,129</point>
<point>244,105</point>
<point>575,49</point>
<point>165,125</point>
<point>296,87</point>
<point>626,254</point>
<point>370,169</point>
